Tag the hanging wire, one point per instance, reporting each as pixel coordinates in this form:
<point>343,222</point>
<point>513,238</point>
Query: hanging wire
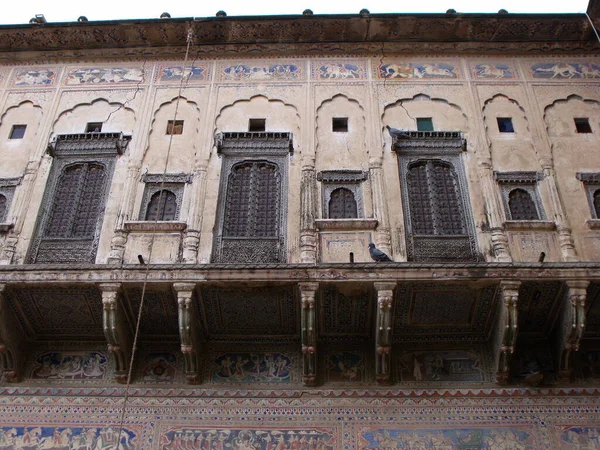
<point>593,27</point>
<point>185,78</point>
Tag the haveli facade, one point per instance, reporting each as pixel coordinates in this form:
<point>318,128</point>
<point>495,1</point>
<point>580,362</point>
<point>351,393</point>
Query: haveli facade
<point>226,175</point>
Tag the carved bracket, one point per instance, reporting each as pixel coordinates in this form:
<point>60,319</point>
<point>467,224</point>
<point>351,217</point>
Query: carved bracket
<point>116,331</point>
<point>505,338</point>
<point>383,336</point>
<point>308,293</point>
<point>188,333</point>
<point>12,342</point>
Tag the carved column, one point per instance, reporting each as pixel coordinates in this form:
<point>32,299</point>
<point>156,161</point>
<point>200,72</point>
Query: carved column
<point>117,244</point>
<point>505,338</point>
<point>188,333</point>
<point>565,239</point>
<point>308,212</point>
<point>12,342</point>
<point>116,331</point>
<point>494,211</point>
<point>569,334</point>
<point>382,235</point>
<point>308,292</point>
<point>191,239</point>
<point>383,336</point>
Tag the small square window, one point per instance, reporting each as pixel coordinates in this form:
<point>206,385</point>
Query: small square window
<point>339,124</point>
<point>505,125</point>
<point>257,124</point>
<point>175,127</point>
<point>93,127</point>
<point>582,125</point>
<point>17,132</point>
<point>424,124</point>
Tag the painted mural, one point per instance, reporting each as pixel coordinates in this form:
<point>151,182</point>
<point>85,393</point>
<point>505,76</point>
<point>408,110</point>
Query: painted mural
<point>159,367</point>
<point>70,366</point>
<point>348,367</point>
<point>266,72</point>
<point>447,439</point>
<point>63,438</point>
<point>252,368</point>
<point>38,77</point>
<point>175,73</point>
<point>580,438</point>
<point>247,439</point>
<point>102,75</point>
<point>339,71</point>
<point>417,70</point>
<point>492,71</point>
<point>461,366</point>
<point>565,70</point>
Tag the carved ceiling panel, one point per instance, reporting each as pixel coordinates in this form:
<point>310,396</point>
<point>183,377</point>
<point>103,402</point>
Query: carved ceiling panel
<point>345,313</point>
<point>159,316</point>
<point>58,312</point>
<point>432,312</point>
<point>249,312</point>
<point>538,306</point>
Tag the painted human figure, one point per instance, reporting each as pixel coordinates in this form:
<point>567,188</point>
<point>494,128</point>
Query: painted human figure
<point>417,370</point>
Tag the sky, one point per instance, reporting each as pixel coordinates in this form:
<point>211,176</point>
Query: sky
<point>19,12</point>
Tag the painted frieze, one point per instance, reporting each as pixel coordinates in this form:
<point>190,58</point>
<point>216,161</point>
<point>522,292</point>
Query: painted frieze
<point>492,71</point>
<point>563,70</point>
<point>70,366</point>
<point>160,367</point>
<point>259,367</point>
<point>34,77</point>
<point>105,75</point>
<point>260,71</point>
<point>575,438</point>
<point>398,70</point>
<point>461,366</point>
<point>174,73</point>
<point>345,367</point>
<point>338,70</point>
<point>44,437</point>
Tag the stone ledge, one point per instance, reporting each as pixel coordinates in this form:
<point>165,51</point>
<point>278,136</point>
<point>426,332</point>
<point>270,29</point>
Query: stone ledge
<point>150,226</point>
<point>594,224</point>
<point>346,224</point>
<point>4,227</point>
<point>529,225</point>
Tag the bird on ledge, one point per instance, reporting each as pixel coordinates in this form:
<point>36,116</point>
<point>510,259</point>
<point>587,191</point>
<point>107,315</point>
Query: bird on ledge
<point>377,254</point>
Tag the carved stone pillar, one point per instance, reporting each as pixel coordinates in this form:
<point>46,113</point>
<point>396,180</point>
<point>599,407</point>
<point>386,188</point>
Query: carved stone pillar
<point>382,235</point>
<point>116,331</point>
<point>565,239</point>
<point>191,240</point>
<point>572,326</point>
<point>505,337</point>
<point>117,244</point>
<point>383,336</point>
<point>9,248</point>
<point>308,213</point>
<point>12,342</point>
<point>308,292</point>
<point>188,333</point>
<point>494,211</point>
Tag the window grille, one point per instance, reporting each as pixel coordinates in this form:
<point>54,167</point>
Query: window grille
<point>522,206</point>
<point>342,204</point>
<point>3,208</point>
<point>597,203</point>
<point>162,206</point>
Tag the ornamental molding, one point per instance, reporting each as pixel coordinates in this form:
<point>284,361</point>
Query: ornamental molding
<point>146,226</point>
<point>589,177</point>
<point>524,177</point>
<point>167,178</point>
<point>10,182</point>
<point>427,142</point>
<point>342,176</point>
<point>253,143</point>
<point>529,225</point>
<point>88,144</point>
<point>346,224</point>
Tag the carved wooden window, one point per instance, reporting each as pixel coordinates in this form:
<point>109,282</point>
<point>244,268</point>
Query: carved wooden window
<point>434,199</point>
<point>342,204</point>
<point>521,205</point>
<point>252,201</point>
<point>76,203</point>
<point>3,207</point>
<point>597,203</point>
<point>162,206</point>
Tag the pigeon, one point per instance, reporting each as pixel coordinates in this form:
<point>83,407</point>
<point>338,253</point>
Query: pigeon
<point>377,254</point>
<point>398,134</point>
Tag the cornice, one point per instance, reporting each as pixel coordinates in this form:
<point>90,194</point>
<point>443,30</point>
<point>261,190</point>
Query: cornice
<point>292,34</point>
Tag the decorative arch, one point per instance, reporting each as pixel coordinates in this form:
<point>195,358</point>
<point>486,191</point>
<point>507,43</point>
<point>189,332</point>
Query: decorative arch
<point>330,101</point>
<point>558,125</point>
<point>115,115</point>
<point>501,97</point>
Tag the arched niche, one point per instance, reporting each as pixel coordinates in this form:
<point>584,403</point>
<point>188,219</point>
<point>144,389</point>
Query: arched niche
<point>15,153</point>
<point>115,118</point>
<point>559,116</point>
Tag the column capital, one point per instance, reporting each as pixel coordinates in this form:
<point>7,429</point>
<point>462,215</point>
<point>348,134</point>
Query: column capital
<point>384,286</point>
<point>184,287</point>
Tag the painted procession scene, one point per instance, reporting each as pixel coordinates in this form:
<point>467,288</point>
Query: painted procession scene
<point>580,438</point>
<point>243,439</point>
<point>345,367</point>
<point>340,71</point>
<point>101,75</point>
<point>449,439</point>
<point>39,77</point>
<point>252,368</point>
<point>492,71</point>
<point>70,366</point>
<point>175,73</point>
<point>463,366</point>
<point>244,72</point>
<point>413,70</point>
<point>66,438</point>
<point>565,70</point>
